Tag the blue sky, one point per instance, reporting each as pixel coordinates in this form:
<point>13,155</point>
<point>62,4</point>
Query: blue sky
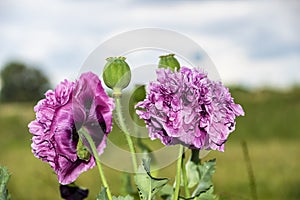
<point>252,43</point>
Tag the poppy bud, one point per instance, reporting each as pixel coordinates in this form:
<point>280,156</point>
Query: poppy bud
<point>116,73</point>
<point>169,61</point>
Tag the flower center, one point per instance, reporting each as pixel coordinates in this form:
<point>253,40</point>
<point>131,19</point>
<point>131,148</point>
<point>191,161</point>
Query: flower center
<point>82,151</point>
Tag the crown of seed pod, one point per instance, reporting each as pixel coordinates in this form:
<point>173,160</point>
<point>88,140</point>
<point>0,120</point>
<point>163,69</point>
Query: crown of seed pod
<point>169,61</point>
<point>116,73</point>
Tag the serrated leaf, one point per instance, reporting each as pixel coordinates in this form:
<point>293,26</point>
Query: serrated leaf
<point>147,185</point>
<point>146,165</point>
<point>128,197</point>
<point>102,195</point>
<point>4,177</point>
<point>192,173</point>
<point>206,196</point>
<point>206,171</point>
<point>166,192</point>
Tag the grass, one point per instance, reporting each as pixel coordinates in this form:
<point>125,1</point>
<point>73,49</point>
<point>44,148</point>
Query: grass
<point>270,127</point>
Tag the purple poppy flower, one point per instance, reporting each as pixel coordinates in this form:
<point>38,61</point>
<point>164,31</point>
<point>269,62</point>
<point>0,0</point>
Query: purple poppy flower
<point>187,108</point>
<point>64,111</point>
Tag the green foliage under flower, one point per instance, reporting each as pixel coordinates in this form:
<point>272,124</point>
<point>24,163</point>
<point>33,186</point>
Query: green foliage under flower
<point>147,185</point>
<point>258,105</point>
<point>183,107</point>
<point>103,196</point>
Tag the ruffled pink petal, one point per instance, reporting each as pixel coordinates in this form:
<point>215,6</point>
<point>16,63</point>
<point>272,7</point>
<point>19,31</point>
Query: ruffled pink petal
<point>187,108</point>
<point>70,107</point>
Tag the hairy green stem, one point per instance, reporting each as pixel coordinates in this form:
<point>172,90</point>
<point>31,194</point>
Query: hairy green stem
<point>185,181</point>
<point>123,127</point>
<point>178,174</point>
<point>83,133</point>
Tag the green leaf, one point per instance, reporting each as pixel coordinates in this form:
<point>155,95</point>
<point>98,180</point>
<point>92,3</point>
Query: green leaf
<point>166,192</point>
<point>206,170</point>
<point>192,173</point>
<point>207,196</point>
<point>4,177</point>
<point>102,195</point>
<point>128,197</point>
<point>147,185</point>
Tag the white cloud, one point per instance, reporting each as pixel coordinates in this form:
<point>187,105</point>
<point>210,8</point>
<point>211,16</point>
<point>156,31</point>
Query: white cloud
<point>251,42</point>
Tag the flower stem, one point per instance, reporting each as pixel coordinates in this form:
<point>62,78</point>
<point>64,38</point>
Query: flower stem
<point>185,181</point>
<point>86,135</point>
<point>123,127</point>
<point>178,174</point>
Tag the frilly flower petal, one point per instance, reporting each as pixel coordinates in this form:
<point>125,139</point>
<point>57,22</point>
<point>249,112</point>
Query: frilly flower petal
<point>70,107</point>
<point>188,108</point>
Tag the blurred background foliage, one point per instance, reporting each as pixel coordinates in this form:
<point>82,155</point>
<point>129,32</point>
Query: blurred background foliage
<point>270,128</point>
<point>254,44</point>
<point>22,83</point>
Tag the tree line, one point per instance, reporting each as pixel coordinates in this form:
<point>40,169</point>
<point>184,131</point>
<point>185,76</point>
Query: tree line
<point>20,83</point>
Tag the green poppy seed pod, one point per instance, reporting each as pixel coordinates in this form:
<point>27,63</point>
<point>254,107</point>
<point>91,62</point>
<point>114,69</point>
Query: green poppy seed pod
<point>169,61</point>
<point>116,73</point>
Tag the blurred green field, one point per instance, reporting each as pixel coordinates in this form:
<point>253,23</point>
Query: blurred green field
<point>270,128</point>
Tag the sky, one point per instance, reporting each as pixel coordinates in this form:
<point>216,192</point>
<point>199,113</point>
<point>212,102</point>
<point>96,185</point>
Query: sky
<point>252,43</point>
